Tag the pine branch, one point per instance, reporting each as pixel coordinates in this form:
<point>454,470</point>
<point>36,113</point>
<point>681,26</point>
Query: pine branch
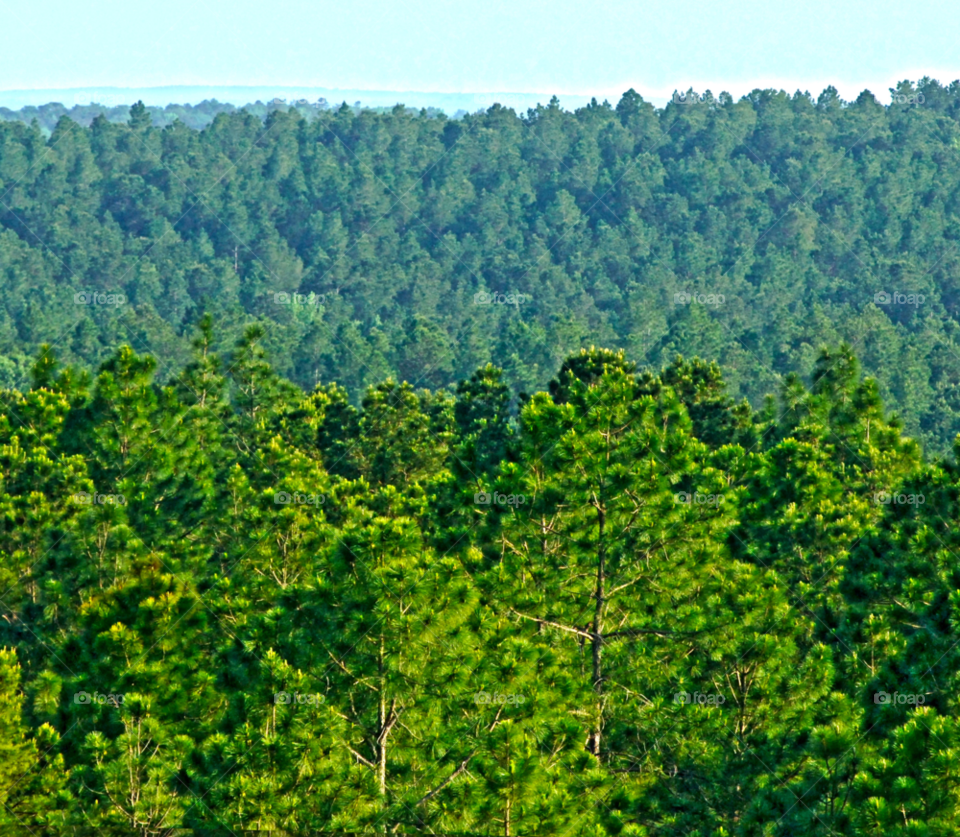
<point>556,625</point>
<point>445,782</point>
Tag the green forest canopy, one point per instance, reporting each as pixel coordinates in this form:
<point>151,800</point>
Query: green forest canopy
<point>751,232</point>
<point>638,608</point>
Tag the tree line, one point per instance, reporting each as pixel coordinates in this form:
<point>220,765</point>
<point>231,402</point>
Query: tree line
<point>197,116</point>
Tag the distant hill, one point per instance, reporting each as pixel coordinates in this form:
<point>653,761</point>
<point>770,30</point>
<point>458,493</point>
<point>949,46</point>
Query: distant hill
<point>750,231</point>
<point>196,106</point>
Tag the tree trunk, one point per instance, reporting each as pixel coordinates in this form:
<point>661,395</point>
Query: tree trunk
<point>593,743</point>
<point>506,809</point>
<point>382,748</point>
<point>382,730</point>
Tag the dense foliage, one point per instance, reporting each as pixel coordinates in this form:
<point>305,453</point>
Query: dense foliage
<point>637,607</point>
<point>751,232</point>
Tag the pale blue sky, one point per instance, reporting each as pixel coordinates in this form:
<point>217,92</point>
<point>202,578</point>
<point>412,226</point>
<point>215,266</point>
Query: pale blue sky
<point>467,46</point>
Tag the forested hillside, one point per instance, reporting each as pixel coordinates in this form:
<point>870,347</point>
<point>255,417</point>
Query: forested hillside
<point>637,609</point>
<point>751,232</point>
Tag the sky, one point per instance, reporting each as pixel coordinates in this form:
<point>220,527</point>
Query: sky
<point>561,46</point>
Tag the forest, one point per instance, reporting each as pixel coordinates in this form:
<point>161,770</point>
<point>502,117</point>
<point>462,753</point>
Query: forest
<point>633,606</point>
<point>581,474</point>
<point>816,221</point>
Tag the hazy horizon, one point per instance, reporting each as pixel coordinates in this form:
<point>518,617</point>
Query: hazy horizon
<point>524,48</point>
<point>450,101</point>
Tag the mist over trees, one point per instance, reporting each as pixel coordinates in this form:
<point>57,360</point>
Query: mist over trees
<point>193,116</point>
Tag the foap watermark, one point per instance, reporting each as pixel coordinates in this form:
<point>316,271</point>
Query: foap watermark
<point>897,699</point>
<point>286,698</point>
<point>87,699</point>
<point>497,298</point>
<point>497,698</point>
<point>691,98</point>
<point>284,298</point>
<point>697,498</point>
<point>684,298</point>
<point>886,498</point>
<point>98,298</point>
<point>485,498</point>
<point>699,698</point>
<point>907,98</point>
<point>897,298</point>
<point>85,499</point>
<point>285,498</point>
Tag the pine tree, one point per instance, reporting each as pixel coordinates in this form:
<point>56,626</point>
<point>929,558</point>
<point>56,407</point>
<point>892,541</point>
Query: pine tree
<point>33,795</point>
